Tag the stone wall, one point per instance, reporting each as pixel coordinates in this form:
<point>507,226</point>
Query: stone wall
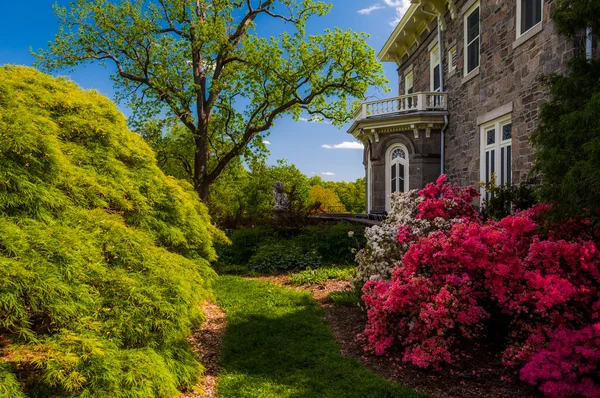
<point>508,77</point>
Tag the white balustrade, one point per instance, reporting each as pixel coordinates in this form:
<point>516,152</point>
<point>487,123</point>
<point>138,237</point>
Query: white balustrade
<point>431,101</point>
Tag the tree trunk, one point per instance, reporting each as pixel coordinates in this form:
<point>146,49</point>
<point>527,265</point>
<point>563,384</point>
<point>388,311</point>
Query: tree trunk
<point>201,183</point>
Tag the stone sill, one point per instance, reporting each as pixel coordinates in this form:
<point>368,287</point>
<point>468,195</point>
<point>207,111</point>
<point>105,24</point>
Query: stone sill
<point>528,35</point>
<point>470,75</point>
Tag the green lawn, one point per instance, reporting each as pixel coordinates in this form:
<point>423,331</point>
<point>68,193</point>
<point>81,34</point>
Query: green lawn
<point>322,274</point>
<point>278,345</point>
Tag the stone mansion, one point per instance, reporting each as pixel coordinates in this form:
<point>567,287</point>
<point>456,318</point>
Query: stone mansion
<point>468,96</point>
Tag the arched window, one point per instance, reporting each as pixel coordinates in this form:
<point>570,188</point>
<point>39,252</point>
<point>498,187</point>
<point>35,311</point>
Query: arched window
<point>396,171</point>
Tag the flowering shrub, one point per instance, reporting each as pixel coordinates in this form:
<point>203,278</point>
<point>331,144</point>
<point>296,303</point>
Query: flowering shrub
<point>450,282</point>
<point>569,365</point>
<point>414,213</point>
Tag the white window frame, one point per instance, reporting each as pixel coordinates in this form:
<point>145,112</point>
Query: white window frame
<point>451,68</point>
<point>519,14</point>
<point>412,81</point>
<point>497,146</point>
<point>388,178</point>
<point>465,36</point>
<point>433,54</point>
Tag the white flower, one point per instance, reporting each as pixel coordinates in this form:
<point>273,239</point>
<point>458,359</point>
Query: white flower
<point>350,234</point>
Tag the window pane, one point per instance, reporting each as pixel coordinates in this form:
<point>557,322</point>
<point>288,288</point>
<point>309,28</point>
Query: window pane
<point>473,25</point>
<point>487,170</point>
<point>473,55</point>
<point>393,171</point>
<point>401,178</point>
<point>509,164</point>
<point>436,78</point>
<point>501,165</point>
<point>506,132</point>
<point>491,137</point>
<point>531,14</point>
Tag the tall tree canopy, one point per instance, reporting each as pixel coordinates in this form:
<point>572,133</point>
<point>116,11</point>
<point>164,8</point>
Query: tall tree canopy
<point>202,63</point>
<point>568,137</point>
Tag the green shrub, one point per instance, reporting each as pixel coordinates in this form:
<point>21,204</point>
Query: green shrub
<point>322,274</point>
<point>345,297</point>
<point>286,255</point>
<point>244,243</point>
<point>103,259</point>
<point>332,242</point>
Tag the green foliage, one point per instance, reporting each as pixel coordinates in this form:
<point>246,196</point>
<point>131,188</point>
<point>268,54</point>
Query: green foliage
<point>322,274</point>
<point>277,345</point>
<point>103,259</point>
<point>203,64</point>
<point>571,17</point>
<point>278,256</point>
<point>330,241</point>
<point>327,200</point>
<point>346,297</point>
<point>244,243</point>
<point>506,199</point>
<point>9,385</point>
<point>353,195</point>
<point>568,141</point>
<point>333,241</point>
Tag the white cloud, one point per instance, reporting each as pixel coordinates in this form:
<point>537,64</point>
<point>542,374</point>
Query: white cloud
<point>344,145</point>
<point>327,173</point>
<point>368,10</point>
<point>267,142</point>
<point>401,7</point>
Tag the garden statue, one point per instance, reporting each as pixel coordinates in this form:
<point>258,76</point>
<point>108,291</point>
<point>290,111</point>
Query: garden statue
<point>281,201</point>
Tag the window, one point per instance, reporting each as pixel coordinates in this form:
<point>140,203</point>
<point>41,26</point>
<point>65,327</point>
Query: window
<point>496,152</point>
<point>396,171</point>
<point>529,14</point>
<point>452,59</point>
<point>408,83</point>
<point>472,39</point>
<point>434,68</point>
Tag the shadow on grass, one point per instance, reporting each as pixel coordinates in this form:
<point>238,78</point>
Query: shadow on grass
<point>278,345</point>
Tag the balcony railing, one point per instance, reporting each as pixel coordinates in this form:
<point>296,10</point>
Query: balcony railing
<point>403,104</point>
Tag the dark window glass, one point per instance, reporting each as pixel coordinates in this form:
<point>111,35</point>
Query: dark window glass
<point>506,132</point>
<point>473,56</point>
<point>531,14</point>
<point>491,137</point>
<point>509,164</point>
<point>473,40</point>
<point>501,165</point>
<point>410,90</point>
<point>393,178</point>
<point>401,178</point>
<point>436,78</point>
<point>493,161</point>
<point>487,170</point>
<point>473,25</point>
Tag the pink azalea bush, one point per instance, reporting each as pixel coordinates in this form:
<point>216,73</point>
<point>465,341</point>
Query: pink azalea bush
<point>543,284</point>
<point>435,208</point>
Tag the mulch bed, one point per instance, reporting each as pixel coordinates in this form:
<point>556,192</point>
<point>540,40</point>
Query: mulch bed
<point>208,342</point>
<point>478,374</point>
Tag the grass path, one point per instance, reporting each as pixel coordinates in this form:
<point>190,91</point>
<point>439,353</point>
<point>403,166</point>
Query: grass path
<point>278,345</point>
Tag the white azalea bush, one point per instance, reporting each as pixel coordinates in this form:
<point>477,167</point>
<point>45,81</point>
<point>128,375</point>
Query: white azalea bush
<point>417,213</point>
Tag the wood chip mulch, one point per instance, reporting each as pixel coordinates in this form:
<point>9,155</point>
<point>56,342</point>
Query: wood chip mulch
<point>478,374</point>
<point>208,342</point>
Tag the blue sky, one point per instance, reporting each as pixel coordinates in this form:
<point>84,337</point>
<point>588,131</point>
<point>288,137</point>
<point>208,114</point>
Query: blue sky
<point>25,24</point>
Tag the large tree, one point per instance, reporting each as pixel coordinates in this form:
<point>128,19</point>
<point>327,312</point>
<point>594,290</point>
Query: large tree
<point>206,64</point>
<point>568,136</point>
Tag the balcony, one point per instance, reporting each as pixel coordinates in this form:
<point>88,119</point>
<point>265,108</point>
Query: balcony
<point>406,112</point>
<point>402,104</point>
